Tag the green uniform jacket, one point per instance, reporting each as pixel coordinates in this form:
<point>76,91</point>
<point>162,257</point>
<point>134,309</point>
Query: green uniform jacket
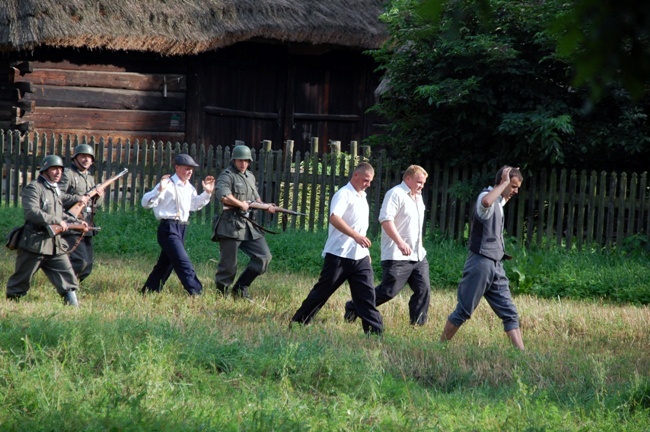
<point>42,206</point>
<point>231,224</point>
<point>77,184</point>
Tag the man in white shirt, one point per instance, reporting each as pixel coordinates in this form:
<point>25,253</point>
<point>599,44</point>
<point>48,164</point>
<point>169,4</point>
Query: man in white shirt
<point>346,255</point>
<point>403,257</point>
<point>172,199</point>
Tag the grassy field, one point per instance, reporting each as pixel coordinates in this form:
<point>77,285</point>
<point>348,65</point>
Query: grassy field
<point>167,362</point>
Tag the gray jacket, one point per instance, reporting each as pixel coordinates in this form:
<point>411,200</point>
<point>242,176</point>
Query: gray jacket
<point>42,206</point>
<point>231,224</point>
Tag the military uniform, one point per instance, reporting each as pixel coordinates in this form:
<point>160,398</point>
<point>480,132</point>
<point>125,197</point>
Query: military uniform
<point>43,205</point>
<point>77,183</point>
<point>233,231</point>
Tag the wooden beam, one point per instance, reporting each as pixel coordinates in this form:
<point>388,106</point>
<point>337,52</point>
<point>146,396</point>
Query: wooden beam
<point>213,110</point>
<point>116,135</point>
<point>24,86</point>
<point>327,117</point>
<point>23,67</point>
<point>9,93</point>
<point>26,106</point>
<point>98,120</point>
<point>54,96</point>
<point>25,126</point>
<point>108,79</point>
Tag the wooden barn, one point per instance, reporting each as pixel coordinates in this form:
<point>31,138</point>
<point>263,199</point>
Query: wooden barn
<point>198,71</point>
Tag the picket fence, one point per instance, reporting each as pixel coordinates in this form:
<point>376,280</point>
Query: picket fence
<point>567,208</point>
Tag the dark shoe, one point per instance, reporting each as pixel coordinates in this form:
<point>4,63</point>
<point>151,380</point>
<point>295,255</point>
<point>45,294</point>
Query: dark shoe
<point>240,292</point>
<point>222,289</point>
<point>350,314</point>
<point>70,299</point>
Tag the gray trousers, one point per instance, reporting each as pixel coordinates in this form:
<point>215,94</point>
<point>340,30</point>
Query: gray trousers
<point>484,277</point>
<point>257,250</point>
<point>57,268</point>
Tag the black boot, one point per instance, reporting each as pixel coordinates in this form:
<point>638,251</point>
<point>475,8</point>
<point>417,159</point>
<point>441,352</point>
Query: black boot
<point>222,289</point>
<point>70,299</point>
<point>240,289</point>
<point>240,292</point>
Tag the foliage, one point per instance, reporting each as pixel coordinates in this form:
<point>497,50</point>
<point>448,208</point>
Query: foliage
<point>466,89</point>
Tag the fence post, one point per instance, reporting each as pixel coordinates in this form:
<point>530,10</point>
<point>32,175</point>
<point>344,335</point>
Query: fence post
<point>314,182</point>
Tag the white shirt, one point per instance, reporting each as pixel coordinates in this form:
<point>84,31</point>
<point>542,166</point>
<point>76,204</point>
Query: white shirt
<point>486,213</point>
<point>407,213</point>
<point>353,208</point>
<point>166,206</point>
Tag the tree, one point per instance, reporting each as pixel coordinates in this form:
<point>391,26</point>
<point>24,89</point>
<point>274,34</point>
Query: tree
<point>466,88</point>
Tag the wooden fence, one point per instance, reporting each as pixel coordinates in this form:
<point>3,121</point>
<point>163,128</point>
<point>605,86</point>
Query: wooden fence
<point>567,208</point>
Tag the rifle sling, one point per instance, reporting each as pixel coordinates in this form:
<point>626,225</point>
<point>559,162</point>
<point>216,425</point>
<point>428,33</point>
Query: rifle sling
<point>255,224</point>
<point>76,244</point>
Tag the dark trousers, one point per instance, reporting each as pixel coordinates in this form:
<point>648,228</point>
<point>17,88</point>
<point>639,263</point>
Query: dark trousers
<point>258,252</point>
<point>57,268</point>
<point>395,275</point>
<point>335,272</point>
<point>171,238</point>
<point>82,257</point>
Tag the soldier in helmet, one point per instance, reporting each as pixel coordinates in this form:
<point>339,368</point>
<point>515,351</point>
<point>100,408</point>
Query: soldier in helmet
<point>234,229</point>
<point>78,181</point>
<point>43,204</point>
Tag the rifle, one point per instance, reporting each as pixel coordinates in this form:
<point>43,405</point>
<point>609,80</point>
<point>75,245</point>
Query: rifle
<point>56,229</point>
<point>76,209</point>
<point>262,206</point>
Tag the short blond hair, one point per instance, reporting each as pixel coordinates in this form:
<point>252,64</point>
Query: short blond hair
<point>414,170</point>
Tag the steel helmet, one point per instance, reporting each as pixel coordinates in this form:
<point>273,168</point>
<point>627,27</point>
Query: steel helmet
<point>241,152</point>
<point>51,161</point>
<point>83,149</point>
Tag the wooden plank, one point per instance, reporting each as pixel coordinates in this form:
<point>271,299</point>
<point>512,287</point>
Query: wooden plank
<point>600,208</point>
<point>611,205</point>
<point>582,200</point>
<point>461,204</point>
<point>101,120</point>
<point>571,209</point>
<point>295,222</point>
<point>76,97</point>
<point>143,64</point>
<point>632,207</point>
<point>116,135</point>
<point>286,179</point>
<point>620,212</point>
<point>327,117</point>
<point>642,204</point>
<point>106,79</point>
<point>9,93</point>
<point>552,204</point>
<point>225,112</point>
<point>541,206</point>
<point>559,230</point>
<point>530,209</point>
<point>444,194</point>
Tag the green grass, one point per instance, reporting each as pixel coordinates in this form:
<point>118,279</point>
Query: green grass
<point>171,363</point>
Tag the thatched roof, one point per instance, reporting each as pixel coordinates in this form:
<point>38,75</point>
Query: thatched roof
<point>177,27</point>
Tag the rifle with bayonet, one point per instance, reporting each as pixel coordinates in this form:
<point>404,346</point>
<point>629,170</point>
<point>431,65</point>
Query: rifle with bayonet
<point>56,229</point>
<point>263,206</point>
<point>76,209</point>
